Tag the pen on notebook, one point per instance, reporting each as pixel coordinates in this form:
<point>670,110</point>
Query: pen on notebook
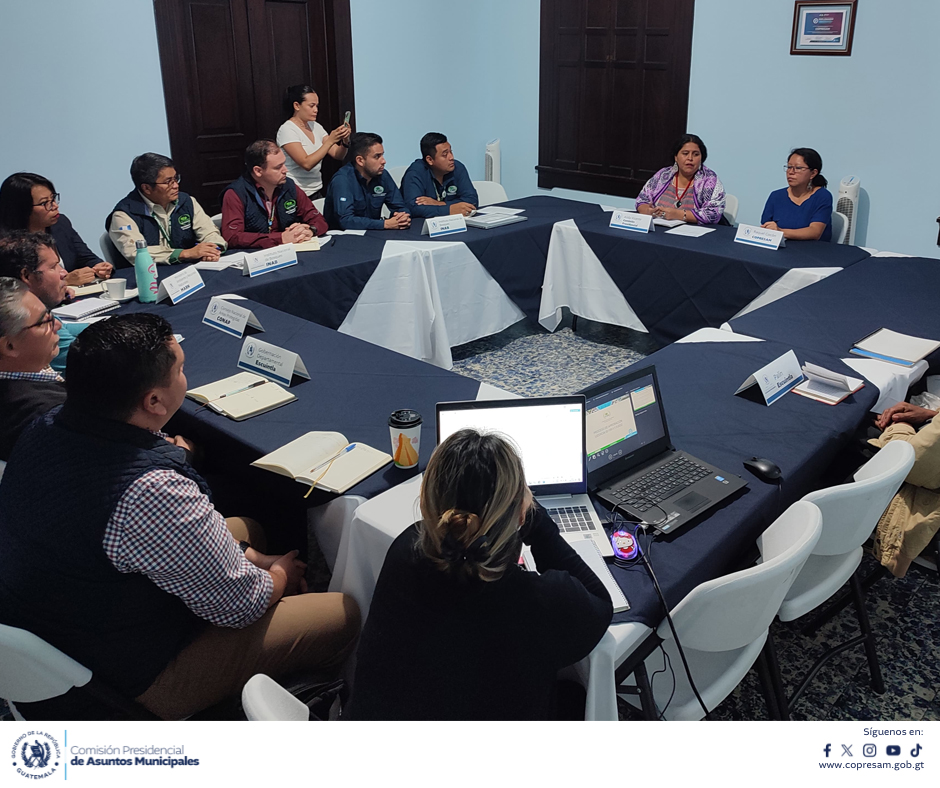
<point>340,453</point>
<point>243,388</point>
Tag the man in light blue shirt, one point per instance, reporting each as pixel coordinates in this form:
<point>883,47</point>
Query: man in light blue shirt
<point>358,191</point>
<point>437,184</point>
<point>33,259</point>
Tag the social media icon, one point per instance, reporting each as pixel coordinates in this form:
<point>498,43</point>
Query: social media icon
<point>893,749</point>
<point>827,749</point>
<point>869,750</point>
<point>916,751</point>
<point>847,750</point>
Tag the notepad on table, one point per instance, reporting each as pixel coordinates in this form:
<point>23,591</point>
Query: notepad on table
<point>888,345</point>
<point>85,308</point>
<point>689,230</point>
<point>90,289</point>
<point>668,222</point>
<point>241,396</point>
<point>589,554</point>
<point>321,458</point>
<point>826,386</point>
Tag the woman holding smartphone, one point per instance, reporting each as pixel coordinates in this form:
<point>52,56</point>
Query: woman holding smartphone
<point>305,142</point>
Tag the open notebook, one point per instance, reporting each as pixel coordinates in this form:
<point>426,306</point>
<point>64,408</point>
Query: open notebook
<point>324,459</point>
<point>241,396</point>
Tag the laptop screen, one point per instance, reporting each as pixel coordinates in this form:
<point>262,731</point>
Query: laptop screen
<point>547,432</point>
<point>622,419</point>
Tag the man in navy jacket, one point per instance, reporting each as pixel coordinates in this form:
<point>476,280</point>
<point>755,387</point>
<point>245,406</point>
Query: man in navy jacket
<point>437,184</point>
<point>358,191</point>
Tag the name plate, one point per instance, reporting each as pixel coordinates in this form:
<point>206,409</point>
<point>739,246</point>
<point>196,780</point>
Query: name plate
<point>268,260</point>
<point>181,285</point>
<point>230,318</point>
<point>444,225</point>
<point>635,222</point>
<point>759,236</point>
<point>271,362</point>
<point>775,379</point>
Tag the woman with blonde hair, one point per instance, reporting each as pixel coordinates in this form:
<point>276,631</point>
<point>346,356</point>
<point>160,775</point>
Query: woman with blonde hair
<point>457,628</point>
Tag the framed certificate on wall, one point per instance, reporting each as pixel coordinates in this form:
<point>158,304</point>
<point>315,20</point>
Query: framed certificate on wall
<point>824,27</point>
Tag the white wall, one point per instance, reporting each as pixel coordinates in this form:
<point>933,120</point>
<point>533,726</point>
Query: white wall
<point>78,113</point>
<point>81,95</point>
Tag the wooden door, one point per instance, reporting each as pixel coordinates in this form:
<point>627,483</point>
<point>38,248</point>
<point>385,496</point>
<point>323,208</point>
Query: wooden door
<point>225,66</point>
<point>614,88</point>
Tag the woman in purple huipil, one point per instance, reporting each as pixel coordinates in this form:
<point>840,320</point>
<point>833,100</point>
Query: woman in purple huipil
<point>687,190</point>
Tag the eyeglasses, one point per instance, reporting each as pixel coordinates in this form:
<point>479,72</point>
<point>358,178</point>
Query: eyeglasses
<point>791,168</point>
<point>45,323</point>
<point>47,204</point>
<point>170,182</point>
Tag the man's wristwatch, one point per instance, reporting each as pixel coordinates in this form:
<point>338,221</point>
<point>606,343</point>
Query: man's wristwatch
<point>243,546</point>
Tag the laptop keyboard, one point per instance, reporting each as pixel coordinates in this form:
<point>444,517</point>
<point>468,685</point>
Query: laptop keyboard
<point>659,484</point>
<point>570,519</point>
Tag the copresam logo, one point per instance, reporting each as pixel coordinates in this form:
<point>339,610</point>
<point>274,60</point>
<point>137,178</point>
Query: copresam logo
<point>185,221</point>
<point>379,190</point>
<point>290,206</point>
<point>36,755</point>
<point>451,189</point>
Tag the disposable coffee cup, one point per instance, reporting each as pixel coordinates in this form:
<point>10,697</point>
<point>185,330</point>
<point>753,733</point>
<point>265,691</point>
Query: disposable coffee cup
<point>115,288</point>
<point>404,427</point>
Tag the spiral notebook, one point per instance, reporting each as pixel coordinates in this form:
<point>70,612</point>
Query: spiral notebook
<point>85,308</point>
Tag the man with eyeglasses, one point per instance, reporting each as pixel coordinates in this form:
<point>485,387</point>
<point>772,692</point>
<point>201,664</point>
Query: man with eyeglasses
<point>34,260</point>
<point>173,223</point>
<point>29,387</point>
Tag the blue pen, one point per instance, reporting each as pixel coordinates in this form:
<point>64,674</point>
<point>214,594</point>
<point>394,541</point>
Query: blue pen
<point>340,453</point>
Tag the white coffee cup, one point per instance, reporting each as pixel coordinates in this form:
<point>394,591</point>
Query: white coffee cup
<point>115,288</point>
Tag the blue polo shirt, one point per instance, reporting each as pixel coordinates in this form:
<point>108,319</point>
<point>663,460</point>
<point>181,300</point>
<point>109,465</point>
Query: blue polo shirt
<point>353,204</point>
<point>790,216</point>
<point>419,181</point>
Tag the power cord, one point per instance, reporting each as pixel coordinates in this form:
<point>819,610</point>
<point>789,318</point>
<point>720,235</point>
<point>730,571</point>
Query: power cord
<point>672,627</point>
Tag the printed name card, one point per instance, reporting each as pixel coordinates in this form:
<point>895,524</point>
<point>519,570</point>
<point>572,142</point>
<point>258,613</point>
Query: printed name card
<point>444,225</point>
<point>271,362</point>
<point>230,318</point>
<point>635,222</point>
<point>777,378</point>
<point>759,236</point>
<point>181,285</point>
<point>268,260</point>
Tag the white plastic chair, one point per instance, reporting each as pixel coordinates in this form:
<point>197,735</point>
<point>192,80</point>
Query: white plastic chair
<point>3,467</point>
<point>110,252</point>
<point>397,174</point>
<point>217,221</point>
<point>723,624</point>
<point>490,192</point>
<point>840,227</point>
<point>263,699</point>
<point>32,670</point>
<point>850,513</point>
<point>731,209</point>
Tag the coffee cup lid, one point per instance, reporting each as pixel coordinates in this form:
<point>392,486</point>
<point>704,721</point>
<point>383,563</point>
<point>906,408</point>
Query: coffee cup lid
<point>404,419</point>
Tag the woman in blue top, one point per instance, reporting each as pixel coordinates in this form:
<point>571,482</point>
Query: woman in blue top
<point>802,211</point>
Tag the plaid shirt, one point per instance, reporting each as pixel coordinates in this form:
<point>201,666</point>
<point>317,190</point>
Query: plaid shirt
<point>167,530</point>
<point>48,374</point>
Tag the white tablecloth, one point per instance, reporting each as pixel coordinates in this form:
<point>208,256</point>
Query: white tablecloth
<point>576,279</point>
<point>426,297</point>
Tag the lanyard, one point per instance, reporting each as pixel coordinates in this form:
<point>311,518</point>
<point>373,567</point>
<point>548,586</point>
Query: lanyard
<point>684,191</point>
<point>264,207</point>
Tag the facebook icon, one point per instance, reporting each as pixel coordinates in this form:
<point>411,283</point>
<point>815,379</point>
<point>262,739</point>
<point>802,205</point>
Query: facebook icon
<point>828,749</point>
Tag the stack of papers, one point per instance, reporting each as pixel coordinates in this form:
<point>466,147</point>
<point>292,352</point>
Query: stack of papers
<point>495,216</point>
<point>823,385</point>
<point>887,345</point>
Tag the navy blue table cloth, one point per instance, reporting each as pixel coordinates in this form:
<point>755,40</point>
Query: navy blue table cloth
<point>900,293</point>
<point>800,435</point>
<point>354,386</point>
<point>677,285</point>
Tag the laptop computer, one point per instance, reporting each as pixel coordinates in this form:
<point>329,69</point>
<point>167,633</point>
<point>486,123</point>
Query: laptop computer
<point>633,466</point>
<point>548,433</point>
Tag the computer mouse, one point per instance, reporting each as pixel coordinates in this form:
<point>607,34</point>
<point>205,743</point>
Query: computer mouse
<point>765,470</point>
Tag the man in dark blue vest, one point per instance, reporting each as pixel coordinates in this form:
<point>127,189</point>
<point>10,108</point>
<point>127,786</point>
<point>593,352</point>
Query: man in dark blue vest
<point>358,191</point>
<point>155,592</point>
<point>175,226</point>
<point>437,184</point>
<point>265,208</point>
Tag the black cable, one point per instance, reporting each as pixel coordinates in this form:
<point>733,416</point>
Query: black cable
<point>672,627</point>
